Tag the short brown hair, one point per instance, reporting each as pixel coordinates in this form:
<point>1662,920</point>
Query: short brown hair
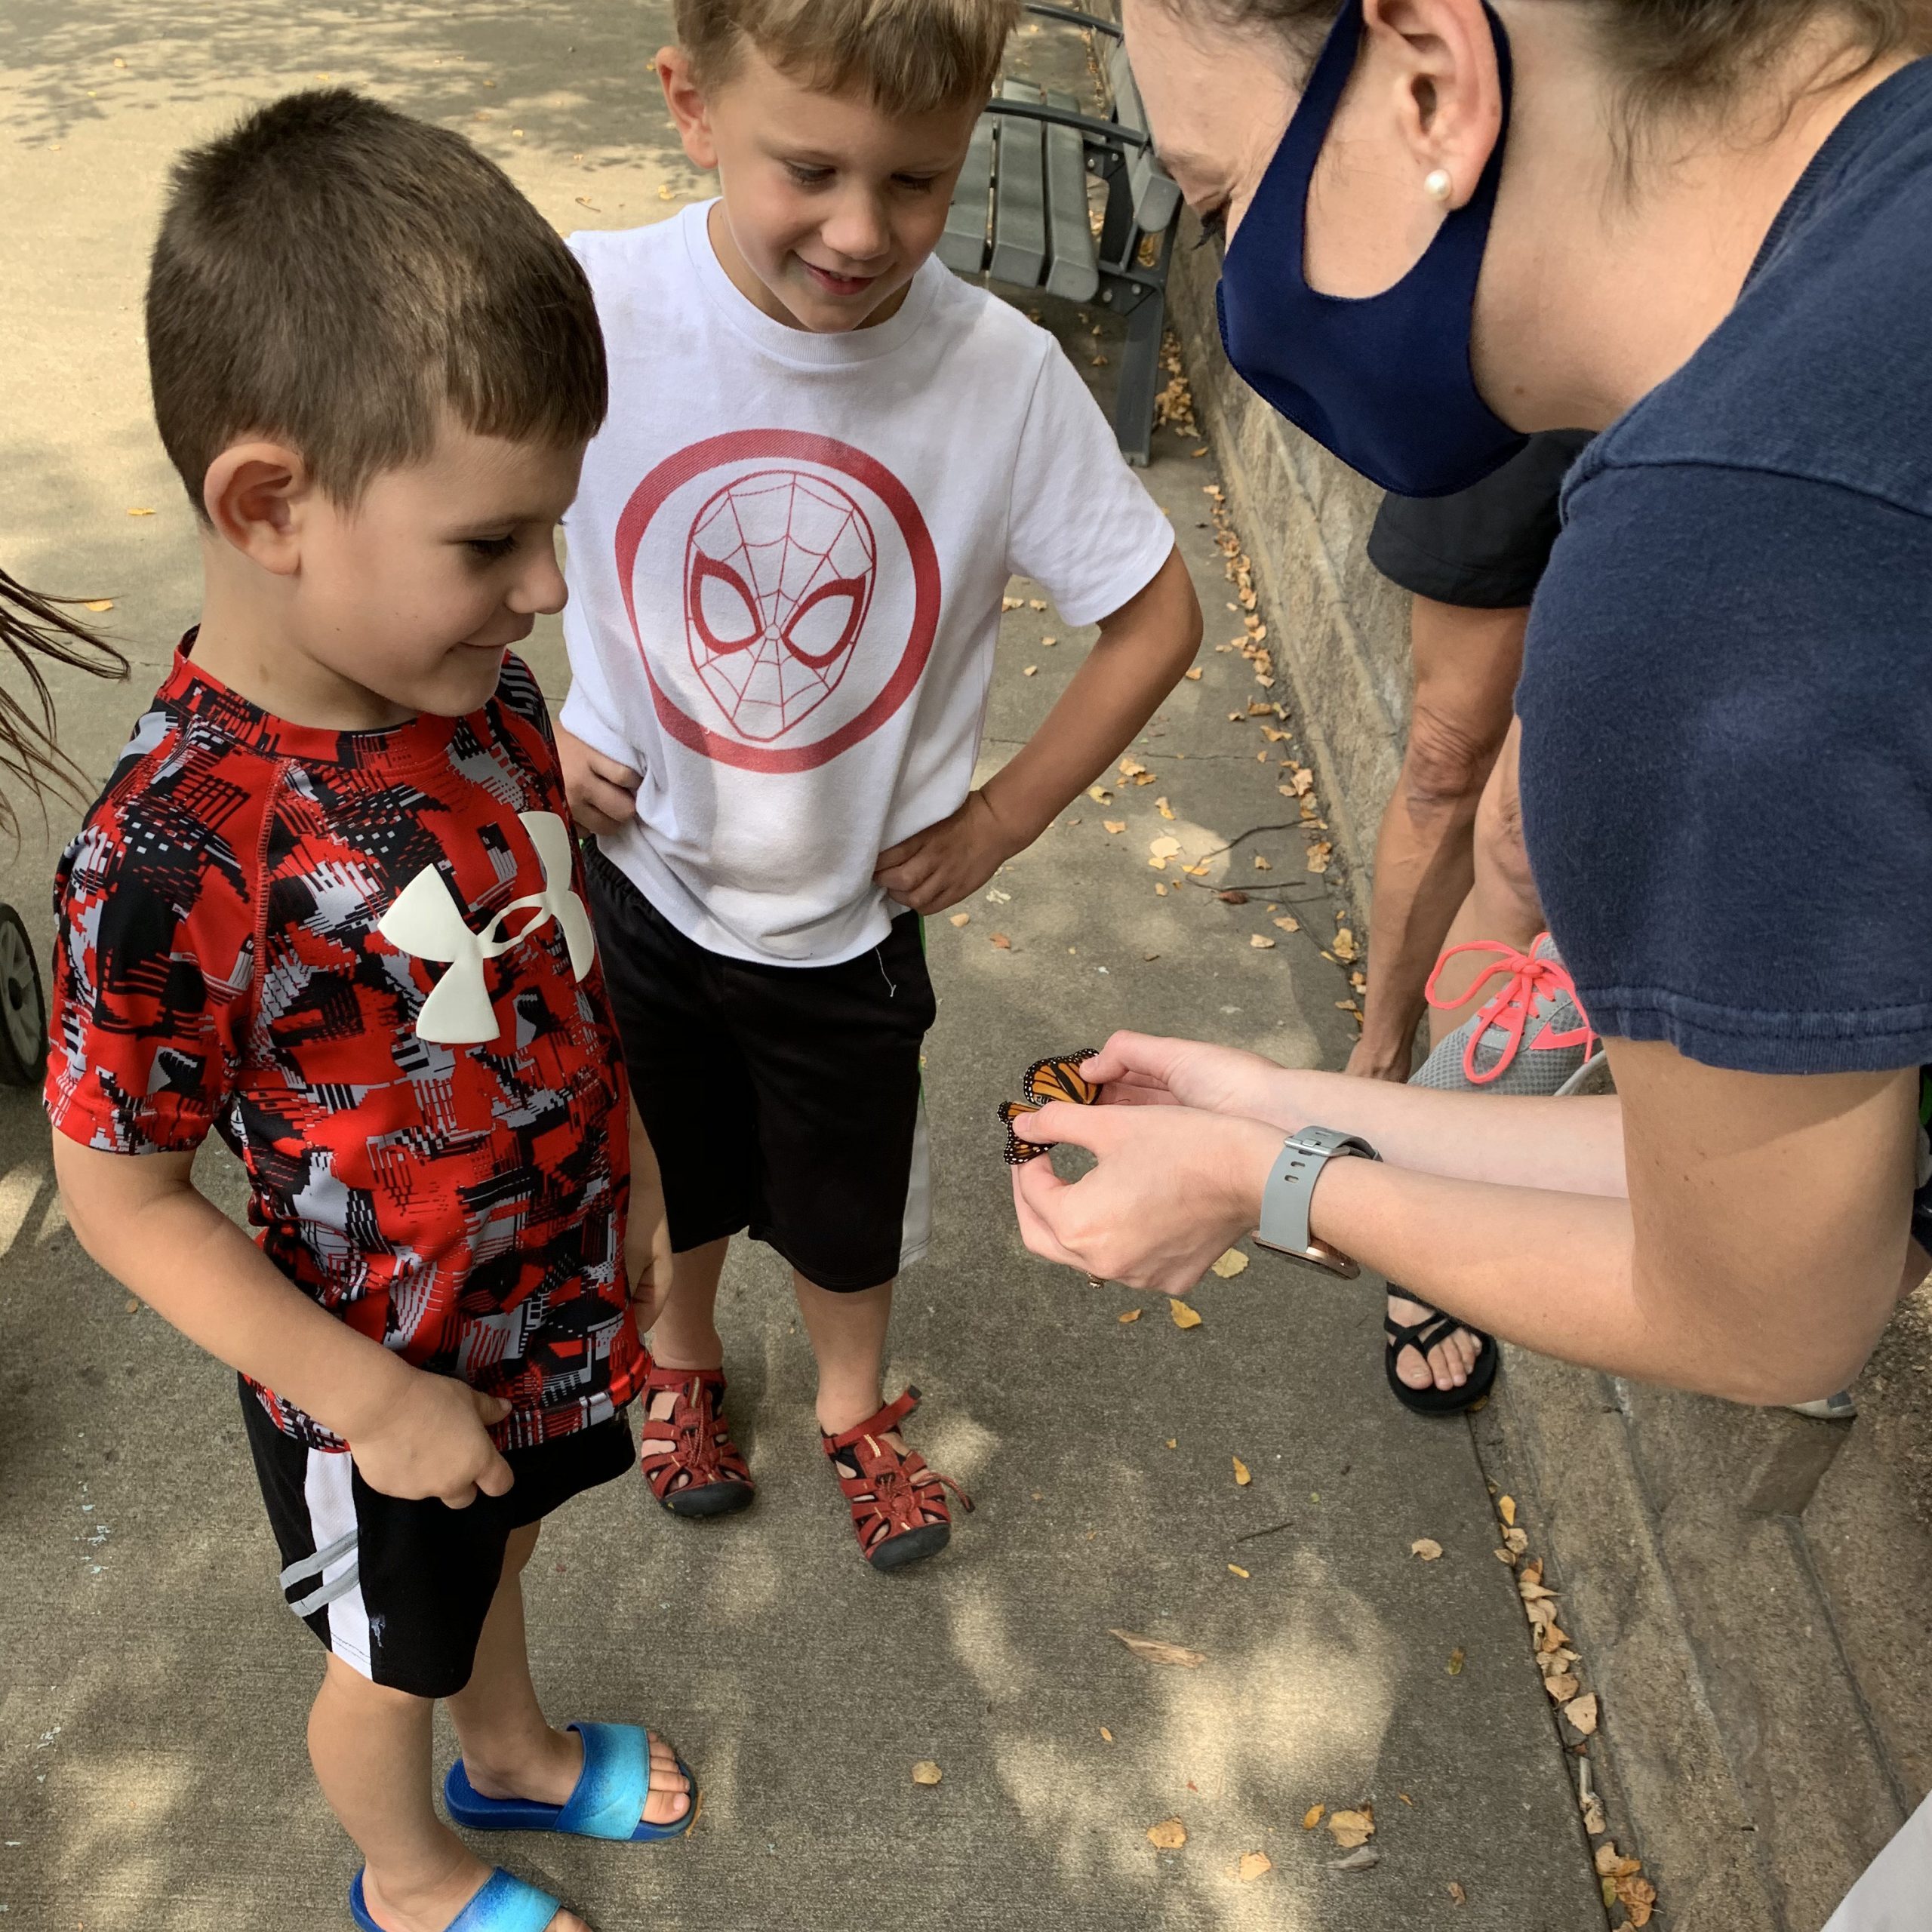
<point>333,274</point>
<point>910,56</point>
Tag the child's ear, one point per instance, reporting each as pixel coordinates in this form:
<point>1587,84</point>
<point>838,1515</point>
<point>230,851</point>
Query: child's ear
<point>688,107</point>
<point>253,494</point>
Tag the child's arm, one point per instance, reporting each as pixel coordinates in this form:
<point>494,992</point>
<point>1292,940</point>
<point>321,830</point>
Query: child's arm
<point>412,1434</point>
<point>647,1232</point>
<point>1142,651</point>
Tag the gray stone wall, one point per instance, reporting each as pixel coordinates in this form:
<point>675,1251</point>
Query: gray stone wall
<point>1338,630</point>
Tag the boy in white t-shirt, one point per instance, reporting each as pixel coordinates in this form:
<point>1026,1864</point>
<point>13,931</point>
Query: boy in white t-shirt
<point>825,457</point>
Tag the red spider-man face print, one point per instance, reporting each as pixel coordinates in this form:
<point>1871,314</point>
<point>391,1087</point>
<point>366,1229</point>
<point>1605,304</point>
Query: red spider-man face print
<point>779,576</point>
<point>783,592</point>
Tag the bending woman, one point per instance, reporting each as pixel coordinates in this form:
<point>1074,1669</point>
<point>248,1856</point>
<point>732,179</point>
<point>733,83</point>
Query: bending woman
<point>1704,226</point>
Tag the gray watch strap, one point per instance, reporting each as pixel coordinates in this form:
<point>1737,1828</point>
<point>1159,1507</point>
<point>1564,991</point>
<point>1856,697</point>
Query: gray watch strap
<point>1290,1188</point>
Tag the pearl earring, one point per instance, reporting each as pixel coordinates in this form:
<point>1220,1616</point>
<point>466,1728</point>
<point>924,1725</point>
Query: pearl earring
<point>1438,185</point>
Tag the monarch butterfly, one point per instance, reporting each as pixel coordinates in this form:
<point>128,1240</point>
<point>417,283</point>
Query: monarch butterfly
<point>1057,1078</point>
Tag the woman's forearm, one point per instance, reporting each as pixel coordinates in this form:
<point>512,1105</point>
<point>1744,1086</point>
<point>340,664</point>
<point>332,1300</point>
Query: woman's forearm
<point>1575,1145</point>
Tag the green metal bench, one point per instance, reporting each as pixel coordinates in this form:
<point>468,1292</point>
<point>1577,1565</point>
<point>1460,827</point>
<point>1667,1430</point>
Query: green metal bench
<point>1019,214</point>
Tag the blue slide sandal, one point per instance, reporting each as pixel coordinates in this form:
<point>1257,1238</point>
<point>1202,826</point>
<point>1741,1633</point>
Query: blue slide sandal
<point>505,1904</point>
<point>606,1802</point>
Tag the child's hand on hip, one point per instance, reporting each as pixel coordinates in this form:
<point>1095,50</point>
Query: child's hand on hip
<point>603,793</point>
<point>939,866</point>
<point>433,1440</point>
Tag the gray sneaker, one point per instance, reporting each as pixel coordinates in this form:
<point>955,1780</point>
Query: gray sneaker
<point>1531,1037</point>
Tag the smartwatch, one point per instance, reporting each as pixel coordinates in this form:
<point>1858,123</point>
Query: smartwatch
<point>1290,1188</point>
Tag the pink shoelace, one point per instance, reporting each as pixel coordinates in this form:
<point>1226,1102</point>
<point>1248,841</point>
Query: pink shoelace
<point>1514,1004</point>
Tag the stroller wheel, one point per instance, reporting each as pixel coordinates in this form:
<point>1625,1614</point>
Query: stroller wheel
<point>22,1006</point>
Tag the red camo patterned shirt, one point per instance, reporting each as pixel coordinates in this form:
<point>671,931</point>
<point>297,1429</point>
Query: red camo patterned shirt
<point>364,959</point>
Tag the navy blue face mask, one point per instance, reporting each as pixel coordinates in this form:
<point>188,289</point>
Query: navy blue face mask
<point>1383,381</point>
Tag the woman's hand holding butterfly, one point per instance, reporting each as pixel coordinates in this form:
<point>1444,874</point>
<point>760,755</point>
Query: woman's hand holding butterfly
<point>1173,1187</point>
<point>602,793</point>
<point>1144,1069</point>
<point>949,861</point>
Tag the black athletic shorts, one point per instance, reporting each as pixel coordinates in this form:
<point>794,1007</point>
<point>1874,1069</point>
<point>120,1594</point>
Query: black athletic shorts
<point>1485,548</point>
<point>784,1099</point>
<point>399,1590</point>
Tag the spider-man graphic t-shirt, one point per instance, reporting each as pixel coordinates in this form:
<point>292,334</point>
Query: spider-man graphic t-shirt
<point>786,560</point>
<point>363,959</point>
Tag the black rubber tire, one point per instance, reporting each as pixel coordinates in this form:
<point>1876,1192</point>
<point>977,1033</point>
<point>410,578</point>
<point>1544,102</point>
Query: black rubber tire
<point>22,1006</point>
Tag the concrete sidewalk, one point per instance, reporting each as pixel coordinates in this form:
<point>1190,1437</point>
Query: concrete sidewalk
<point>152,1772</point>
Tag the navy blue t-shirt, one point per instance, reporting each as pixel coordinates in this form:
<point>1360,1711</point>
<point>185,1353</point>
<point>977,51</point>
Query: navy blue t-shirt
<point>1727,696</point>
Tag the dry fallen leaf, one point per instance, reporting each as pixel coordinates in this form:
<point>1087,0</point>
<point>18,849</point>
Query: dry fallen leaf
<point>99,604</point>
<point>961,919</point>
<point>1001,941</point>
<point>1029,670</point>
<point>1115,825</point>
<point>1289,923</point>
<point>1170,1834</point>
<point>1161,806</point>
<point>1561,1686</point>
<point>1165,847</point>
<point>1312,1816</point>
<point>1253,1866</point>
<point>1582,1713</point>
<point>1106,1733</point>
<point>1230,1264</point>
<point>1515,1541</point>
<point>1131,768</point>
<point>1012,603</point>
<point>1184,1316</point>
<point>1099,795</point>
<point>1193,677</point>
<point>1638,1897</point>
<point>1456,1659</point>
<point>1345,946</point>
<point>1506,1508</point>
<point>926,1772</point>
<point>141,513</point>
<point>1155,1649</point>
<point>1234,896</point>
<point>1036,603</point>
<point>1261,942</point>
<point>1261,865</point>
<point>1048,643</point>
<point>1243,1475</point>
<point>1457,1894</point>
<point>1350,1828</point>
<point>1236,1570</point>
<point>1319,854</point>
<point>1427,1547</point>
<point>1132,1314</point>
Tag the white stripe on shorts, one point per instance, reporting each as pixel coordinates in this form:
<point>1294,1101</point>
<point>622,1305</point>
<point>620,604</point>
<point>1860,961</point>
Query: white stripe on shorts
<point>326,1489</point>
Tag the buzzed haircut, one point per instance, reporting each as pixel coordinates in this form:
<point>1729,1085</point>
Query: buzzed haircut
<point>909,57</point>
<point>332,275</point>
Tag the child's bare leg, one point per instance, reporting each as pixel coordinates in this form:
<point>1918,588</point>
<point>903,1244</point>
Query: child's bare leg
<point>685,1332</point>
<point>370,1749</point>
<point>847,1335</point>
<point>508,1748</point>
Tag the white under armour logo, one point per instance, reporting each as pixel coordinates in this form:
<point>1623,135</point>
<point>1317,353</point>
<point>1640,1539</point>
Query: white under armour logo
<point>426,923</point>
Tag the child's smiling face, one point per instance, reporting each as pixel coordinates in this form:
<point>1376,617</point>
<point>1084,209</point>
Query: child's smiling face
<point>829,204</point>
<point>403,602</point>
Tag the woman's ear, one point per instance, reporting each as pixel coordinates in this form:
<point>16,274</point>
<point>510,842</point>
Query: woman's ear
<point>254,494</point>
<point>1440,59</point>
<point>688,106</point>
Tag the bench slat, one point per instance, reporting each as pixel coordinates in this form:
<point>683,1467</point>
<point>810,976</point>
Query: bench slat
<point>1019,194</point>
<point>1076,273</point>
<point>1156,198</point>
<point>963,246</point>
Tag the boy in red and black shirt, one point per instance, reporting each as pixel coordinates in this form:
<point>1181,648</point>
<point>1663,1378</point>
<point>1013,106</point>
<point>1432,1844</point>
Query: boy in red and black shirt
<point>329,908</point>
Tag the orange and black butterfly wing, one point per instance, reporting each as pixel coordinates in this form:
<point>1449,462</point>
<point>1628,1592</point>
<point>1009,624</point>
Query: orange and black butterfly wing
<point>1018,1152</point>
<point>1059,1077</point>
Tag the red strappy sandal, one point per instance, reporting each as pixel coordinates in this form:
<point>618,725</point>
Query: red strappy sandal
<point>687,1456</point>
<point>898,1504</point>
